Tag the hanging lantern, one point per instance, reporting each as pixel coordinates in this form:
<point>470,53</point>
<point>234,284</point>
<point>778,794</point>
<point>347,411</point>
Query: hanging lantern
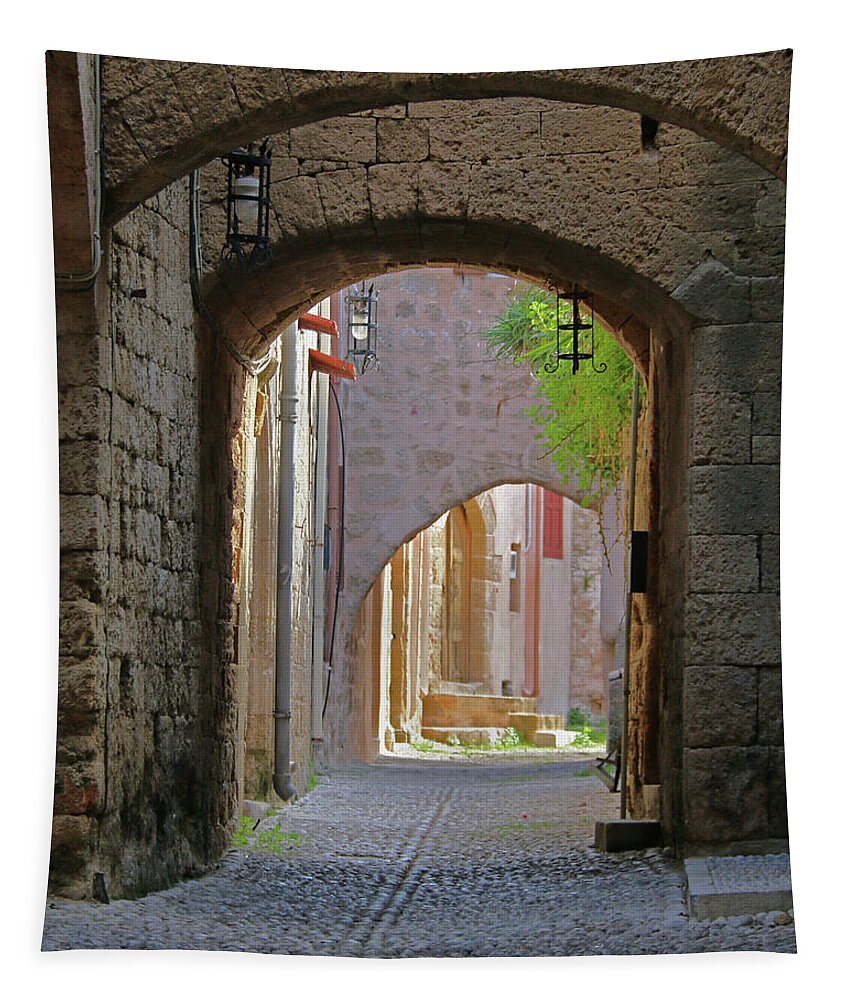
<point>363,326</point>
<point>248,204</point>
<point>574,335</point>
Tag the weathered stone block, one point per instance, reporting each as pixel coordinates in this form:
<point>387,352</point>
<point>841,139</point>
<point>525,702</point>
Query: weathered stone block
<point>767,299</point>
<point>769,562</point>
<point>712,291</point>
<point>719,706</point>
<point>82,576</point>
<point>345,199</point>
<point>84,467</point>
<point>737,359</point>
<point>298,206</point>
<point>81,698</point>
<point>79,789</point>
<point>627,834</point>
<point>724,564</point>
<point>83,413</point>
<point>444,190</point>
<point>83,522</point>
<point>70,845</point>
<point>687,164</point>
<point>726,793</point>
<point>467,138</point>
<point>770,706</point>
<point>766,413</point>
<point>402,139</point>
<point>766,449</point>
<point>393,192</point>
<point>734,499</point>
<point>586,129</point>
<point>736,629</point>
<point>721,429</point>
<point>83,359</point>
<point>346,139</point>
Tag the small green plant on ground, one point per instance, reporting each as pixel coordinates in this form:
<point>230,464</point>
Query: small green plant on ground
<point>533,825</point>
<point>511,739</point>
<point>584,773</point>
<point>589,733</point>
<point>424,746</point>
<point>588,737</point>
<point>312,778</point>
<point>273,840</point>
<point>244,831</point>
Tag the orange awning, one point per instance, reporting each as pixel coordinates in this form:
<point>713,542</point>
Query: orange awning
<point>318,324</point>
<point>330,365</point>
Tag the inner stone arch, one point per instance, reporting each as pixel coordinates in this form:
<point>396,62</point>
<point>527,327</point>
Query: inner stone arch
<point>467,646</point>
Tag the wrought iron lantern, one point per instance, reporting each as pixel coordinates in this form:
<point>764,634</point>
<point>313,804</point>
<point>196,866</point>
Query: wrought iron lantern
<point>580,342</point>
<point>248,204</point>
<point>363,327</point>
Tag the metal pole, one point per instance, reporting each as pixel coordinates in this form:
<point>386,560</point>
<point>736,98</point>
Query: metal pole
<point>630,524</point>
<point>282,777</point>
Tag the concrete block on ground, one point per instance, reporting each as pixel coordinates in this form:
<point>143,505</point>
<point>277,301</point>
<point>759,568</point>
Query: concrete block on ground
<point>733,886</point>
<point>627,834</point>
<point>553,738</point>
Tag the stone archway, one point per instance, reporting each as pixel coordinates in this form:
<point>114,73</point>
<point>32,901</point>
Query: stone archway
<point>163,119</point>
<point>683,246</point>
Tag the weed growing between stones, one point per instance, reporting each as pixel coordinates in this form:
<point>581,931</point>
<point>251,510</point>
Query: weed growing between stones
<point>273,840</point>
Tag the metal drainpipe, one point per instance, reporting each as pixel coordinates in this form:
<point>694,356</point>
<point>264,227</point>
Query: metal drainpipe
<point>319,556</point>
<point>282,778</point>
<point>630,524</point>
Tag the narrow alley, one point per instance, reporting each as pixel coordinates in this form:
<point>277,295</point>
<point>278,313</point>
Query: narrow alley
<point>428,855</point>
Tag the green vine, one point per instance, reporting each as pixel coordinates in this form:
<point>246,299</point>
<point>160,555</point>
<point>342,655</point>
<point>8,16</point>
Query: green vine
<point>583,419</point>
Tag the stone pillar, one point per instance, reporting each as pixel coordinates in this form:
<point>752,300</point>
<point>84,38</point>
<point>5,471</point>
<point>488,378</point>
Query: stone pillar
<point>733,761</point>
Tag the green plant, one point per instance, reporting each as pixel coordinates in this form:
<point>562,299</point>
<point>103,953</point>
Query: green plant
<point>576,719</point>
<point>266,840</point>
<point>312,778</point>
<point>589,736</point>
<point>275,839</point>
<point>424,746</point>
<point>244,831</point>
<point>583,418</point>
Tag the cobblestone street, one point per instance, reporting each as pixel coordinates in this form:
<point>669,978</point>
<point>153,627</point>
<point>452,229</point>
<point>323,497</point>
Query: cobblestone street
<point>482,855</point>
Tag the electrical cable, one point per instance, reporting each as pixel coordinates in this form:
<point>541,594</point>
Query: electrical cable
<point>340,546</point>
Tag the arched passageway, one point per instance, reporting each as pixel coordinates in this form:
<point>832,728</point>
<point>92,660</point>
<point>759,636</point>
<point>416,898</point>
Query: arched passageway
<point>504,650</point>
<point>682,246</point>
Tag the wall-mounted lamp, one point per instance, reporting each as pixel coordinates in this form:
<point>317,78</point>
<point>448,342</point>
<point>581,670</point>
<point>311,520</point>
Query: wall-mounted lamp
<point>363,327</point>
<point>580,343</point>
<point>248,204</point>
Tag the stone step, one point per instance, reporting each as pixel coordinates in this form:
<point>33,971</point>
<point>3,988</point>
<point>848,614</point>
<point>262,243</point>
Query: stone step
<point>480,736</point>
<point>553,738</point>
<point>734,886</point>
<point>528,723</point>
<point>475,710</point>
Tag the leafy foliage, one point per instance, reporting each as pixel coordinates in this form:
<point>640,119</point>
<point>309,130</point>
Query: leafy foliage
<point>583,418</point>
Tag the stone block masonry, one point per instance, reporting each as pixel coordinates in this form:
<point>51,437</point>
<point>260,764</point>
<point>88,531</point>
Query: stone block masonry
<point>130,762</point>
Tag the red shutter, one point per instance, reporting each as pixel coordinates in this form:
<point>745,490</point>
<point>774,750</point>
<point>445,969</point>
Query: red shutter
<point>553,521</point>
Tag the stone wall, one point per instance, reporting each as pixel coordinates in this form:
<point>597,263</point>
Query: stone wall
<point>129,475</point>
<point>163,118</point>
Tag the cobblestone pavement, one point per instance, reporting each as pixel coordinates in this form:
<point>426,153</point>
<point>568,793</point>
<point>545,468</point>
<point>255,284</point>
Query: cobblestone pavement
<point>480,856</point>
